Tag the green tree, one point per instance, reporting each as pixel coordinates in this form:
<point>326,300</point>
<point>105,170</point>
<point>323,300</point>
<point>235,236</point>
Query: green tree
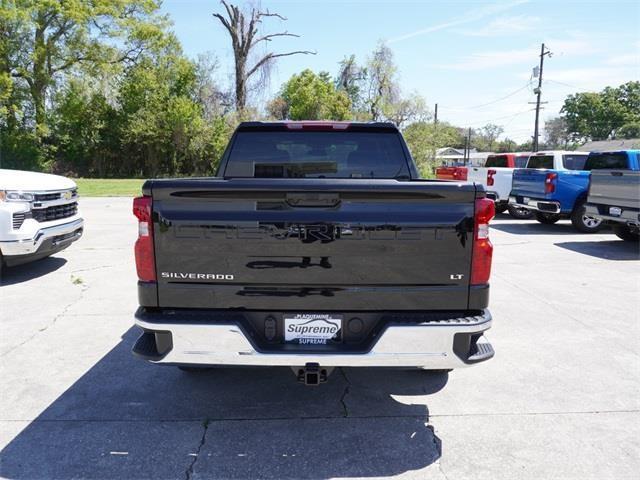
<point>307,96</point>
<point>629,130</point>
<point>86,129</point>
<point>51,38</point>
<point>349,79</point>
<point>555,133</point>
<point>425,138</point>
<point>382,87</point>
<point>486,137</point>
<point>597,116</point>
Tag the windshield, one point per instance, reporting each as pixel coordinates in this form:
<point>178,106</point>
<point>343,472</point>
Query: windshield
<point>540,161</point>
<point>497,161</point>
<point>574,162</point>
<point>597,161</point>
<point>317,154</point>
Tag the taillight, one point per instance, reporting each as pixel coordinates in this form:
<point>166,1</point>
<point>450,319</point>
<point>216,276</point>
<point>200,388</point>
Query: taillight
<point>490,174</point>
<point>482,247</point>
<point>145,260</point>
<point>550,182</point>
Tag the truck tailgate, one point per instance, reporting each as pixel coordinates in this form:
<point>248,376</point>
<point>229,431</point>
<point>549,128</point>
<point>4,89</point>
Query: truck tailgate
<point>615,187</point>
<point>529,182</point>
<point>313,244</point>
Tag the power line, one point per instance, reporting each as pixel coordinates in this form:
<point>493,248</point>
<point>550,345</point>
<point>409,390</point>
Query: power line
<point>510,116</point>
<point>473,107</point>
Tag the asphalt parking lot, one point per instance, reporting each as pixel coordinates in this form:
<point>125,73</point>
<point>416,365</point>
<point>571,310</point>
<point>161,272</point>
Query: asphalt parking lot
<point>561,399</point>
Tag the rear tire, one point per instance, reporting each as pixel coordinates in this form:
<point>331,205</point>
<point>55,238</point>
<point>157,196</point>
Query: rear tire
<point>501,208</point>
<point>520,213</point>
<point>585,223</point>
<point>547,218</point>
<point>625,233</point>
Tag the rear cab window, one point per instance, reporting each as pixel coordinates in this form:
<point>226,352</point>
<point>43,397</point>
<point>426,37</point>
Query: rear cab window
<point>284,153</point>
<point>613,161</point>
<point>540,161</point>
<point>574,162</point>
<point>497,161</point>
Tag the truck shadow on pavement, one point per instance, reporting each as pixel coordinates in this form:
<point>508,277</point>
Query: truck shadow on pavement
<point>607,250</point>
<point>125,418</point>
<point>30,271</point>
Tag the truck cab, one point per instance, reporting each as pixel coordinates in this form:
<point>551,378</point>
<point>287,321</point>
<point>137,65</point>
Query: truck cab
<point>554,185</point>
<point>496,177</point>
<point>614,192</point>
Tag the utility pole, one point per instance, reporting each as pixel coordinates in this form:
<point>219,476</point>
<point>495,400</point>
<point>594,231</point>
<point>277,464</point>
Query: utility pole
<point>538,92</point>
<point>467,147</point>
<point>435,116</point>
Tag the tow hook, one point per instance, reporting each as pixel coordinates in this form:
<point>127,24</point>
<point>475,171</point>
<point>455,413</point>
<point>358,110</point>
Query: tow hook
<point>312,374</point>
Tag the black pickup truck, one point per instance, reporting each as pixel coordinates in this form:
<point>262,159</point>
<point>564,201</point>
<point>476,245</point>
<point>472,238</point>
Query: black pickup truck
<point>316,246</point>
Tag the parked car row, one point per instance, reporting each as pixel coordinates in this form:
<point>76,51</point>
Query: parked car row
<point>590,189</point>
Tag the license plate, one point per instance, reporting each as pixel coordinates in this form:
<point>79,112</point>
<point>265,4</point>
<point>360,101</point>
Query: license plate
<point>615,211</point>
<point>312,328</point>
<point>525,200</point>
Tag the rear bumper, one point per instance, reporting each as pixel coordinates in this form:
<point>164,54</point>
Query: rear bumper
<point>546,206</point>
<point>442,344</point>
<point>628,216</point>
<point>46,241</point>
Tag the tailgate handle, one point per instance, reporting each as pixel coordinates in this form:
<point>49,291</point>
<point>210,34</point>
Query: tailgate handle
<point>617,174</point>
<point>311,199</point>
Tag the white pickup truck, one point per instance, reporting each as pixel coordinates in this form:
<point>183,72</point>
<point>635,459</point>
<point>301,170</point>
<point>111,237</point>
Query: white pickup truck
<point>496,176</point>
<point>39,216</point>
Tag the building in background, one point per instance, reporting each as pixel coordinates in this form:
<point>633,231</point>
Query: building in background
<point>611,145</point>
<point>449,156</point>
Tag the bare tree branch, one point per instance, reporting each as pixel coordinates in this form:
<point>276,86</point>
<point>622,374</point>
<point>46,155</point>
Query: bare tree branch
<point>243,30</point>
<point>271,56</point>
<point>269,14</point>
<point>267,38</point>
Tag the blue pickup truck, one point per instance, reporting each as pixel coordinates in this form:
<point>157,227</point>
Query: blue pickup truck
<point>614,192</point>
<point>554,185</point>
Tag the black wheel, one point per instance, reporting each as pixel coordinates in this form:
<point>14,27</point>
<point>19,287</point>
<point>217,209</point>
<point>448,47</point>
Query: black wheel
<point>625,233</point>
<point>585,223</point>
<point>520,213</point>
<point>501,208</point>
<point>547,218</point>
<point>188,369</point>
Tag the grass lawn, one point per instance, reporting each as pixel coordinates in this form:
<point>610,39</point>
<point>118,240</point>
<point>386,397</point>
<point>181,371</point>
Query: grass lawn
<point>109,187</point>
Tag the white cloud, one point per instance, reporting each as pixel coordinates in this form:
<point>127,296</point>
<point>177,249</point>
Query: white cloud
<point>624,59</point>
<point>500,58</point>
<point>472,16</point>
<point>487,60</point>
<point>504,26</point>
<point>592,78</point>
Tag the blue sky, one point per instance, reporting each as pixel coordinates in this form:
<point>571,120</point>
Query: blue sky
<point>463,55</point>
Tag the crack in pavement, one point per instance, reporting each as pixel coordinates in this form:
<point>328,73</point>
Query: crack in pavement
<point>345,410</point>
<point>92,268</point>
<point>84,288</point>
<point>203,439</point>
